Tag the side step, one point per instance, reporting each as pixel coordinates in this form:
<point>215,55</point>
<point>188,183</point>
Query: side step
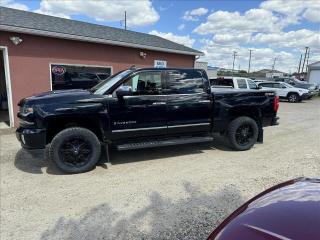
<point>163,143</point>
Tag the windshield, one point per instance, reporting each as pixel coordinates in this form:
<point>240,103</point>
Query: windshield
<point>287,85</point>
<point>103,86</point>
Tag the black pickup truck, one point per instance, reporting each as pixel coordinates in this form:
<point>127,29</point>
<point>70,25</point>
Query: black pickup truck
<point>140,108</point>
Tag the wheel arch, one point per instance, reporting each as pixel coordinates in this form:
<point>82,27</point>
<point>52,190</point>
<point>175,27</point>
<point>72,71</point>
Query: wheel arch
<point>292,93</point>
<point>55,125</point>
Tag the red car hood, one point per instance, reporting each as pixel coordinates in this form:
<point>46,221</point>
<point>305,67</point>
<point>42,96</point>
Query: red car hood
<point>290,210</point>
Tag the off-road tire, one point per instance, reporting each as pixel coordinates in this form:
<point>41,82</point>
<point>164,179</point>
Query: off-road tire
<point>233,133</point>
<point>61,139</point>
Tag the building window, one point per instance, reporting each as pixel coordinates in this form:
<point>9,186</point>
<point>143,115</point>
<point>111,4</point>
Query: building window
<point>76,76</point>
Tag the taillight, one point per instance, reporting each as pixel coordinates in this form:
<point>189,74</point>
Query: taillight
<point>276,103</point>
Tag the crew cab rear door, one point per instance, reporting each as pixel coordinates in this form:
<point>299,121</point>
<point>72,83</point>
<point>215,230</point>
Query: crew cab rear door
<point>189,102</point>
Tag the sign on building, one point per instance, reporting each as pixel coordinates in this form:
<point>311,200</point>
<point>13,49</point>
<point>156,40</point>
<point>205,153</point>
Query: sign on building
<point>160,64</point>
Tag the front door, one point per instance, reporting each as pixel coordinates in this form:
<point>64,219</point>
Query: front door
<point>142,113</point>
<point>189,105</point>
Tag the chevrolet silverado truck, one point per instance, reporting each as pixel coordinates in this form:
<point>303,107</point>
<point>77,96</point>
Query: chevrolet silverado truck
<point>141,108</point>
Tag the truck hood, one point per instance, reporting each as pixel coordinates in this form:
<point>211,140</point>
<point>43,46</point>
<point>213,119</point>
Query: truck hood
<point>60,96</point>
<point>290,210</point>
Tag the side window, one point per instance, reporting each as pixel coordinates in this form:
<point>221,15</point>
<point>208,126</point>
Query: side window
<point>221,82</point>
<point>242,83</point>
<point>145,83</point>
<point>277,85</point>
<point>252,84</point>
<point>268,85</point>
<point>184,82</point>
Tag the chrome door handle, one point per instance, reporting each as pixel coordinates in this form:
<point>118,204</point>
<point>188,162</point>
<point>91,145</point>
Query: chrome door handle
<point>204,101</point>
<point>159,103</point>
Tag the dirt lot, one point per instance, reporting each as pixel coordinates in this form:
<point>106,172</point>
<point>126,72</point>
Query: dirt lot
<point>179,192</point>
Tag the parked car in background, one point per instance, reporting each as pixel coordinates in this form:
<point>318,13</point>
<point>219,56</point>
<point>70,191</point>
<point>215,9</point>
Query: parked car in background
<point>313,88</point>
<point>259,81</point>
<point>286,91</point>
<point>233,82</point>
<point>142,108</point>
<point>78,80</point>
<point>290,210</point>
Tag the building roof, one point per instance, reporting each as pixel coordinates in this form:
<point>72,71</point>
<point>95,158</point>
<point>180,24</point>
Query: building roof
<point>316,64</point>
<point>44,25</point>
<point>269,71</point>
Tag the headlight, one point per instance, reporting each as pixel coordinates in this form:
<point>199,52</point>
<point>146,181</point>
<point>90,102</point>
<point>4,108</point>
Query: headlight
<point>26,109</point>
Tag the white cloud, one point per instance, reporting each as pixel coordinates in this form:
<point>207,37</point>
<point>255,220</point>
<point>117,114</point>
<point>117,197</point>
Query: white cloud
<point>227,38</point>
<point>292,39</point>
<point>13,4</point>
<point>222,56</point>
<point>184,40</point>
<point>139,13</point>
<point>312,15</point>
<point>181,27</point>
<point>294,10</point>
<point>194,14</point>
<point>253,20</point>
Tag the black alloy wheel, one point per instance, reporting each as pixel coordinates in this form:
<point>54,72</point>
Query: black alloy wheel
<point>75,151</point>
<point>244,134</point>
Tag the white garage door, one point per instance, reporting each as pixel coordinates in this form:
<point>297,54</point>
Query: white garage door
<point>314,77</point>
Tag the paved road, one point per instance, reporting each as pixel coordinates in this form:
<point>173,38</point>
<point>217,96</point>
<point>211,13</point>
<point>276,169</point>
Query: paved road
<point>179,192</point>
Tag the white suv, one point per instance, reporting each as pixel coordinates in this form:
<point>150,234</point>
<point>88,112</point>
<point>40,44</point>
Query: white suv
<point>286,91</point>
<point>233,82</point>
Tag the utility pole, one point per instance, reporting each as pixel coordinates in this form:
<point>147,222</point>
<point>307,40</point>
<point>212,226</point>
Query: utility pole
<point>249,60</point>
<point>234,58</point>
<point>300,63</point>
<point>304,59</point>
<point>308,60</point>
<point>125,20</point>
<point>273,66</point>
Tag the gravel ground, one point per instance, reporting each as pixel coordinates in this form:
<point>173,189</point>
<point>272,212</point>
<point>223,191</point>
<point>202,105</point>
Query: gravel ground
<point>179,192</point>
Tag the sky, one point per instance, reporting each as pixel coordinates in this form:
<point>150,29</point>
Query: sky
<point>275,30</point>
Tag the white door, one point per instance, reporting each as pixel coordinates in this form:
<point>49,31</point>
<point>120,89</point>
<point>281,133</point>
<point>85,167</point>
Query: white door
<point>281,89</point>
<point>241,83</point>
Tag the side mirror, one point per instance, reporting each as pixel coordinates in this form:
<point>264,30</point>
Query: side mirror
<point>259,87</point>
<point>123,91</point>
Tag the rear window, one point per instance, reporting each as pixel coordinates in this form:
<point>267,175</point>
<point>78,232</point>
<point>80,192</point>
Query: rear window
<point>221,82</point>
<point>185,82</point>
